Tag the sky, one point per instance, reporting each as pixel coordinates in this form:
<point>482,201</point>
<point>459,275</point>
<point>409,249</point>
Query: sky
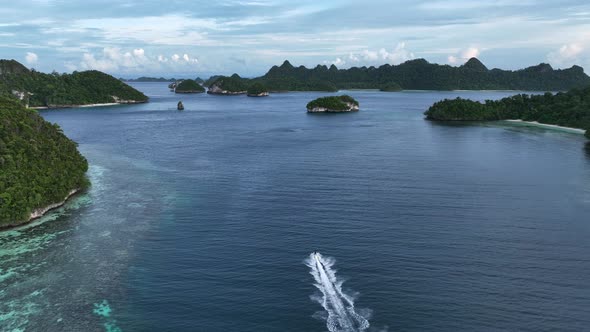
<point>171,38</point>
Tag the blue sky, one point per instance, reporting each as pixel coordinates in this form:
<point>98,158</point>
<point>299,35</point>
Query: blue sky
<point>199,38</point>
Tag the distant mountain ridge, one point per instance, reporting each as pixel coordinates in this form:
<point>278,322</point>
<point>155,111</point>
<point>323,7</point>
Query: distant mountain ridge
<point>419,74</point>
<point>148,79</point>
<point>37,89</point>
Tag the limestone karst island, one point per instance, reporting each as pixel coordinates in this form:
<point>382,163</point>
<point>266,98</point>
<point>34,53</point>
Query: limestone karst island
<point>337,104</point>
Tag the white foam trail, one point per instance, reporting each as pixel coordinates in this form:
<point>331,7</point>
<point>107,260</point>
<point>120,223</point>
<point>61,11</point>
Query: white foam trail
<point>340,307</point>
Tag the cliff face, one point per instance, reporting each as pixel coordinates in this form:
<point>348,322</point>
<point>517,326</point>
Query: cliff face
<point>217,90</point>
<point>318,109</point>
<point>233,85</point>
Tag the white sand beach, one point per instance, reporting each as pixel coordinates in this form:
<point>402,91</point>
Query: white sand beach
<point>549,126</point>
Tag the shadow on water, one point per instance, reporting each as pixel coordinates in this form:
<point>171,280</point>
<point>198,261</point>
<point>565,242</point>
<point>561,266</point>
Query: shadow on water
<point>329,113</point>
<point>587,149</point>
<point>456,123</point>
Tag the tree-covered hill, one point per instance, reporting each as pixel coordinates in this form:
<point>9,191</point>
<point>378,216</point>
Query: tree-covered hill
<point>56,90</point>
<point>12,67</point>
<point>189,86</point>
<point>421,75</point>
<point>39,165</point>
<point>342,103</point>
<point>569,109</point>
<point>229,85</point>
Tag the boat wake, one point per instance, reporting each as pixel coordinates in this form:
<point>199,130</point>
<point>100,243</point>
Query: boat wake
<point>341,315</point>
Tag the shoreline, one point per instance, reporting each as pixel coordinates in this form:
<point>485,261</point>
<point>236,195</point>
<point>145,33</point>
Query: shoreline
<point>547,126</point>
<point>39,108</point>
<point>40,212</point>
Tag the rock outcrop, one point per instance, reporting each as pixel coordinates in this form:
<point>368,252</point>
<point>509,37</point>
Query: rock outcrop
<point>217,90</point>
<point>350,108</point>
<point>125,101</point>
<point>261,94</point>
<point>229,86</point>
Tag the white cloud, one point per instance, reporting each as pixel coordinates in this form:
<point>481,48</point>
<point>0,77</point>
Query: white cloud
<point>469,53</point>
<point>173,29</point>
<point>248,3</point>
<point>398,55</point>
<point>337,62</point>
<point>567,54</point>
<point>32,58</point>
<point>116,60</point>
<point>354,58</point>
<point>187,58</point>
<point>367,55</point>
<point>462,56</point>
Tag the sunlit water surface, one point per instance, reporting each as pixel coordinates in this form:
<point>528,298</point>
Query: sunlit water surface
<point>204,220</point>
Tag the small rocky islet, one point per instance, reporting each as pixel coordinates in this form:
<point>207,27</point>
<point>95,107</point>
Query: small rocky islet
<point>333,104</point>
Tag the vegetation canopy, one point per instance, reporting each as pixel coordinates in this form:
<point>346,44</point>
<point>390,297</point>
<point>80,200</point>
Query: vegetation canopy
<point>257,89</point>
<point>568,109</point>
<point>232,83</point>
<point>421,75</point>
<point>54,90</point>
<point>189,86</point>
<point>416,74</point>
<point>337,103</point>
<point>39,164</point>
<point>391,87</point>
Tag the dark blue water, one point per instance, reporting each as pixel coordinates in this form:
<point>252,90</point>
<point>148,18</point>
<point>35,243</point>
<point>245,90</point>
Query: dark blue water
<point>202,220</point>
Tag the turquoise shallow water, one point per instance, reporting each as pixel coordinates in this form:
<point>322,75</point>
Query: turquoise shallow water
<point>203,220</point>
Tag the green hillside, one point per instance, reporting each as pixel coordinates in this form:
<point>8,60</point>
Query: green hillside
<point>55,90</point>
<point>39,164</point>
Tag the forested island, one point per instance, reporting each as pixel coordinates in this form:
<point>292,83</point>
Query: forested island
<point>55,90</point>
<point>232,85</point>
<point>418,75</point>
<point>40,166</point>
<point>188,86</point>
<point>568,109</point>
<point>333,104</point>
